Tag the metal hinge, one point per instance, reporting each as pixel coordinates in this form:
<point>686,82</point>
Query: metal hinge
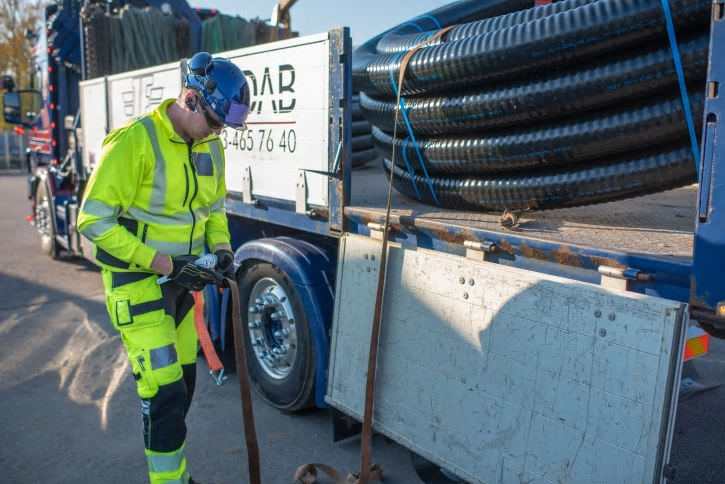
<point>376,230</point>
<point>669,471</point>
<point>478,250</point>
<point>615,278</point>
<point>301,194</point>
<point>247,186</point>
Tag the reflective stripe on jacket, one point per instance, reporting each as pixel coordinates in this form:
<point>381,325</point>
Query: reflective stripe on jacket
<point>152,192</point>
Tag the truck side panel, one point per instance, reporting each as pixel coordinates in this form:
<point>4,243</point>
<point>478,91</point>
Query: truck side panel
<point>707,290</point>
<point>506,375</point>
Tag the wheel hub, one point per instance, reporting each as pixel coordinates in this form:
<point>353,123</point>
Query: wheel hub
<point>271,327</point>
<point>41,217</point>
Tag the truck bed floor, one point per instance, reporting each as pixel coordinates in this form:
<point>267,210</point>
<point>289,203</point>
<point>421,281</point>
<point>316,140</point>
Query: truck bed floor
<point>661,224</point>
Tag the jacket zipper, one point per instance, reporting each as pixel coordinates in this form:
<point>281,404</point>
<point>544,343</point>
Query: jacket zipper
<point>196,190</point>
<point>186,193</point>
<point>145,231</point>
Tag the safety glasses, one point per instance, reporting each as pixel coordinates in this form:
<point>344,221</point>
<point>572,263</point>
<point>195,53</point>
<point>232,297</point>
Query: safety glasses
<point>209,120</point>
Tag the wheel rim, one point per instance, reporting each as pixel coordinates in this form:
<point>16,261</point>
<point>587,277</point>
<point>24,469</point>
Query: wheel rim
<point>271,327</point>
<point>42,210</point>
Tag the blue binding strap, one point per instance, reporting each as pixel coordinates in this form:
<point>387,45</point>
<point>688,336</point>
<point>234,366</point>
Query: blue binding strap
<point>413,24</point>
<point>683,88</point>
<point>411,136</point>
<point>410,167</point>
<point>435,20</point>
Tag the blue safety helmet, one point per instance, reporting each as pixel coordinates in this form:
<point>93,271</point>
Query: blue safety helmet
<point>222,86</point>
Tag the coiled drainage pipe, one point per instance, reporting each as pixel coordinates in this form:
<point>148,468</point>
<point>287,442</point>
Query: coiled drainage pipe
<point>569,104</point>
<point>363,143</point>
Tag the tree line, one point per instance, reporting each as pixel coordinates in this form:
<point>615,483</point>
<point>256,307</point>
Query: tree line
<point>17,18</point>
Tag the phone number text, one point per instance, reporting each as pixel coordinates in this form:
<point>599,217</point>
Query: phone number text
<point>260,140</point>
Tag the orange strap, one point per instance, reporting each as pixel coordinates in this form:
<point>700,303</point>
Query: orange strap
<point>307,474</point>
<point>366,467</point>
<point>250,432</point>
<point>245,392</point>
<point>212,359</point>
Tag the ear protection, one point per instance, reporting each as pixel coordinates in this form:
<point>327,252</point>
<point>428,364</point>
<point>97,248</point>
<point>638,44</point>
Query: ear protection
<point>192,106</point>
<point>201,65</point>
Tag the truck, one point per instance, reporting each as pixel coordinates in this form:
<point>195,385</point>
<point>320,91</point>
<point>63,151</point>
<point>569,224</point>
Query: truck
<point>534,347</point>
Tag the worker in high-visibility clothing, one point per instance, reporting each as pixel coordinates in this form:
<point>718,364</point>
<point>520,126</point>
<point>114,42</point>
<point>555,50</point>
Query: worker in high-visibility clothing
<point>153,202</point>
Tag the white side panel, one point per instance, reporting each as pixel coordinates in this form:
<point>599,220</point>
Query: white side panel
<point>137,92</point>
<point>504,375</point>
<point>288,123</point>
<point>93,116</point>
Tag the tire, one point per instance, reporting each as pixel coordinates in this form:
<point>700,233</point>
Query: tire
<point>279,351</point>
<point>430,473</point>
<point>44,221</point>
<point>712,330</point>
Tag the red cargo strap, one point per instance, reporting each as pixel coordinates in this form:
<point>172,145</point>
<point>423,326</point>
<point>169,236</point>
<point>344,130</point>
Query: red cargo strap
<point>207,346</point>
<point>250,433</point>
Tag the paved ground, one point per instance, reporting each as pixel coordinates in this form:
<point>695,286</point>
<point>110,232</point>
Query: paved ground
<point>69,412</point>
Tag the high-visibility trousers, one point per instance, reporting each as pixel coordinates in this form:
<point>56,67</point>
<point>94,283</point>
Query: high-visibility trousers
<point>156,323</point>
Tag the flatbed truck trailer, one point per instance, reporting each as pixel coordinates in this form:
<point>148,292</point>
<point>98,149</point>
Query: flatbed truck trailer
<point>537,347</point>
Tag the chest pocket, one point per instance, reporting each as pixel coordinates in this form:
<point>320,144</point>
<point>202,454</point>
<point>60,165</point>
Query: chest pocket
<point>204,164</point>
<point>206,178</point>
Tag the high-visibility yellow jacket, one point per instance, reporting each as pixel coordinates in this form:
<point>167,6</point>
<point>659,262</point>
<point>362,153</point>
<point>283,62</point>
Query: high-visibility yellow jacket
<point>152,192</point>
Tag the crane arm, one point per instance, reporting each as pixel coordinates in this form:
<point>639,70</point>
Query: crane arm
<point>281,15</point>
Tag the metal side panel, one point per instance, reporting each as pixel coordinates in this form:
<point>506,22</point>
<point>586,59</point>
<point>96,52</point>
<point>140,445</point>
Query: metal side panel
<point>94,120</point>
<point>504,375</point>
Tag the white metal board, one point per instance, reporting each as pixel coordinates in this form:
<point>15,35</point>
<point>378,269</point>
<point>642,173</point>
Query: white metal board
<point>93,116</point>
<point>504,375</point>
<point>137,92</point>
<point>288,122</point>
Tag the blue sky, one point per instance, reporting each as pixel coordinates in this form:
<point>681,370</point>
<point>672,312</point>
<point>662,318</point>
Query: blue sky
<point>365,18</point>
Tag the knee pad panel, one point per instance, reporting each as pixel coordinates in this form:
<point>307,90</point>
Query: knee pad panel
<point>164,428</point>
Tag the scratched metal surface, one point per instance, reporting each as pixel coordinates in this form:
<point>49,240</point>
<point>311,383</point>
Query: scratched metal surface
<point>660,224</point>
<point>511,375</point>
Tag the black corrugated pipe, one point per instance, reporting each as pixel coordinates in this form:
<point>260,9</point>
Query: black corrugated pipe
<point>557,106</point>
<point>529,99</point>
<point>570,140</point>
<point>363,144</point>
<point>566,187</point>
<point>394,43</point>
<point>563,38</point>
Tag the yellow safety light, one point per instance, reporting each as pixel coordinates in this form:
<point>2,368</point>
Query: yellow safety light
<point>721,309</point>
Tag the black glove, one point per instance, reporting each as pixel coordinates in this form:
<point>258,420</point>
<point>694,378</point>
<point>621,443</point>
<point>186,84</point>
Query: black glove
<point>225,263</point>
<point>191,276</point>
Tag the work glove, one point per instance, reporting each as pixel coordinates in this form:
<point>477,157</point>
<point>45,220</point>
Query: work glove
<point>191,276</point>
<point>225,263</point>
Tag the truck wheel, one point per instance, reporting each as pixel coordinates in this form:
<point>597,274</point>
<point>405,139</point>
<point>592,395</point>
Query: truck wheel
<point>44,221</point>
<point>712,330</point>
<point>430,473</point>
<point>277,339</point>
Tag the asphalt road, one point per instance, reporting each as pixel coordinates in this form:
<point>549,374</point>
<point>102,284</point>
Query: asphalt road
<point>69,412</point>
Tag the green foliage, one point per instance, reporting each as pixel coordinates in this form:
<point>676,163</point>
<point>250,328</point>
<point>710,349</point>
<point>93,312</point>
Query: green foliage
<point>17,17</point>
